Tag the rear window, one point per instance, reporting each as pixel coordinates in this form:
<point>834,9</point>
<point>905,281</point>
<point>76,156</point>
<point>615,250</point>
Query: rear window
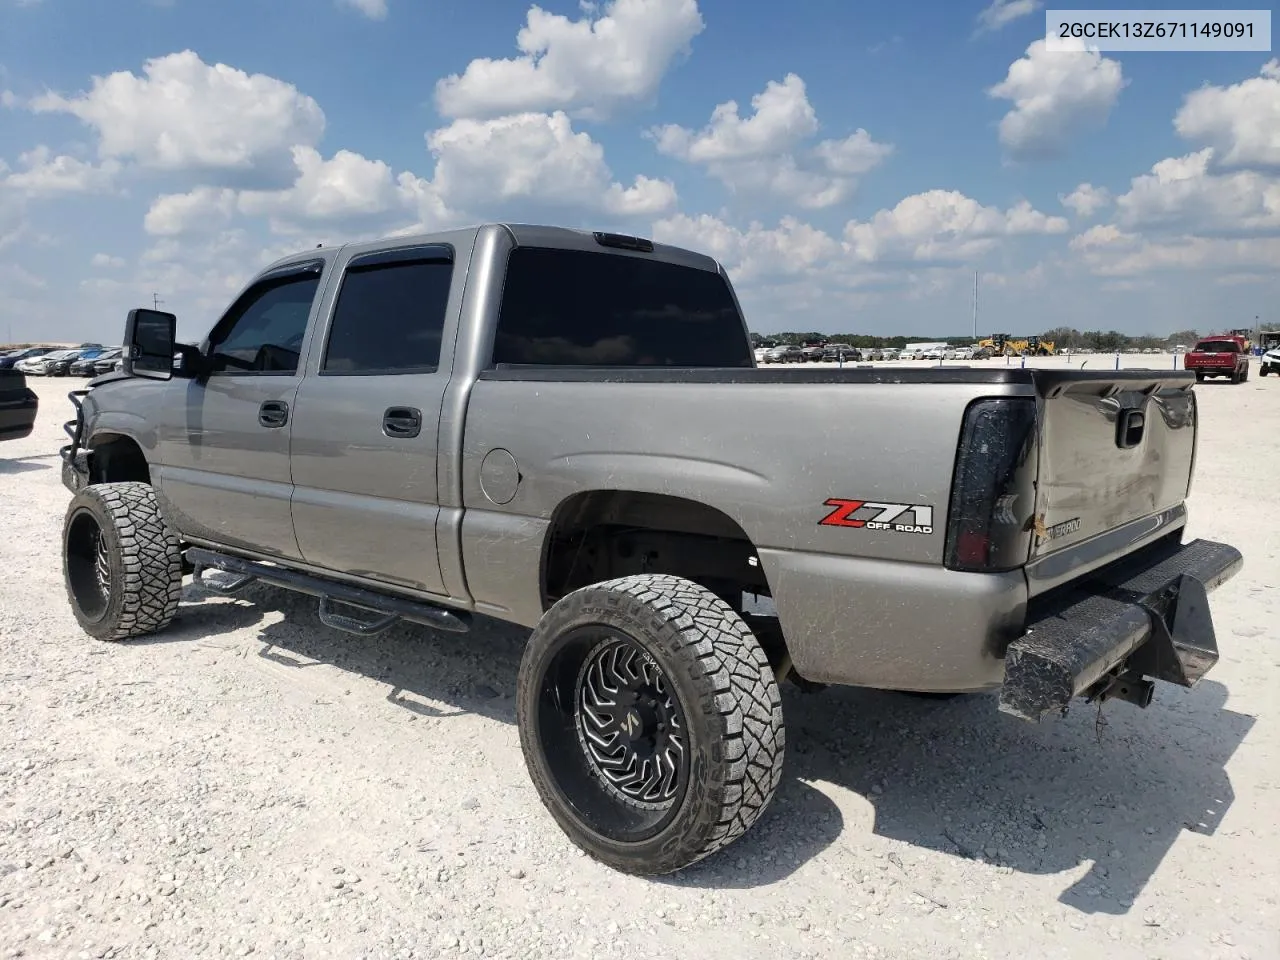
<point>577,308</point>
<point>1217,346</point>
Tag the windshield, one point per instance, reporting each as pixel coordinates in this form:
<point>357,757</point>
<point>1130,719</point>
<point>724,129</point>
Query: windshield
<point>1217,346</point>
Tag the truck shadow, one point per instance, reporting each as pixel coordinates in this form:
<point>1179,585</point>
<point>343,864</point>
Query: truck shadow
<point>1113,790</point>
<point>9,465</point>
<point>950,776</point>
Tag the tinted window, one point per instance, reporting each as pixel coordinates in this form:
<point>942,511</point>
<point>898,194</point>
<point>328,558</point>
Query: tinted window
<point>1217,346</point>
<point>389,318</point>
<point>264,330</point>
<point>565,307</point>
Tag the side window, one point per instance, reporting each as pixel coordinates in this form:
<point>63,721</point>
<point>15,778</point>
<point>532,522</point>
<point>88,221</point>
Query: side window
<point>389,317</point>
<point>262,333</point>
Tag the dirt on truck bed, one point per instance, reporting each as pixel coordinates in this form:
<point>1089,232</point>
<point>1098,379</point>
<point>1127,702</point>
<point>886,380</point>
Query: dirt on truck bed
<point>253,783</point>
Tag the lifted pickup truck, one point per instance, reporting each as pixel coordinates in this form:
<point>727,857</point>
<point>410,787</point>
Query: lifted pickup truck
<point>568,431</point>
<point>18,406</point>
<point>1223,356</point>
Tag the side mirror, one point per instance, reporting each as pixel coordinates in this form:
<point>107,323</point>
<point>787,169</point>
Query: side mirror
<point>149,337</point>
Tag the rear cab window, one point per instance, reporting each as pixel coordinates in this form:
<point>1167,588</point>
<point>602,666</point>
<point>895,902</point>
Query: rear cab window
<point>1217,346</point>
<point>579,308</point>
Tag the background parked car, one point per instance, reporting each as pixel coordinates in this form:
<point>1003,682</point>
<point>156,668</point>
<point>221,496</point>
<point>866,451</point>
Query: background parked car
<point>62,367</point>
<point>784,354</point>
<point>107,362</point>
<point>812,353</point>
<point>840,353</point>
<point>39,366</point>
<point>86,364</point>
<point>11,359</point>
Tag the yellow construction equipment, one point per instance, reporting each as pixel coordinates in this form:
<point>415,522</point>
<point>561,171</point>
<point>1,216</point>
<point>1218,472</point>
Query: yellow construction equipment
<point>1004,345</point>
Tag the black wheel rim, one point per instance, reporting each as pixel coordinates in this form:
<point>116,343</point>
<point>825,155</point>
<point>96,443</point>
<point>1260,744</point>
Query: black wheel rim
<point>629,726</point>
<point>613,734</point>
<point>88,565</point>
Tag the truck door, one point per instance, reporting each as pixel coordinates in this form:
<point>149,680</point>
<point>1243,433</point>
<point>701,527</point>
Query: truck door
<point>364,440</point>
<point>223,443</point>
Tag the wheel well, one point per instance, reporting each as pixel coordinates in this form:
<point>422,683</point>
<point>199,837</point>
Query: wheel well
<point>117,458</point>
<point>605,534</point>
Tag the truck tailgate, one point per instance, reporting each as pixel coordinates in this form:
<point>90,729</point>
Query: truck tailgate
<point>1115,460</point>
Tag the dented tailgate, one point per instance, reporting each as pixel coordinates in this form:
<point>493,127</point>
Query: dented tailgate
<point>1115,460</point>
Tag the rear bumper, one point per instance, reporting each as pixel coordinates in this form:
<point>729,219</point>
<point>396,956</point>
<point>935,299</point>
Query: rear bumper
<point>1147,617</point>
<point>18,415</point>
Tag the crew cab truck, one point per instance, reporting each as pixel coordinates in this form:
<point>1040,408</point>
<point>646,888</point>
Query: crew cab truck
<point>1224,356</point>
<point>18,406</point>
<point>567,430</point>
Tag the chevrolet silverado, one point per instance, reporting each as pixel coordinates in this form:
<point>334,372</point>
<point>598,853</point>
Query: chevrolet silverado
<point>568,431</point>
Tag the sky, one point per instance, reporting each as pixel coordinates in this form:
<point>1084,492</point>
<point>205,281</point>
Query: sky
<point>851,164</point>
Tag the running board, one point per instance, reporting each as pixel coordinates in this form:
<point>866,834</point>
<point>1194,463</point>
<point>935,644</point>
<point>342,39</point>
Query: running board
<point>388,609</point>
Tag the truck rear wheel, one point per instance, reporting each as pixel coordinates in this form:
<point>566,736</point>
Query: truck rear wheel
<point>121,562</point>
<point>650,721</point>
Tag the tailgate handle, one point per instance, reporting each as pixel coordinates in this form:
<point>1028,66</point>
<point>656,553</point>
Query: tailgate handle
<point>1129,428</point>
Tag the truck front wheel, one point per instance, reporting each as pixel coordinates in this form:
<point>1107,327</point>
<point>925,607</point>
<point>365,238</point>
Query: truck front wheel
<point>650,721</point>
<point>121,562</point>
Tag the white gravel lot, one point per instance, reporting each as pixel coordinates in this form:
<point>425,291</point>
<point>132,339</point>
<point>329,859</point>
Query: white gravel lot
<point>251,783</point>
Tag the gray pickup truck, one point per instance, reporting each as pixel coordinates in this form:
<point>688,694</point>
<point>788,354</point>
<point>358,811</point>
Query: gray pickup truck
<point>567,430</point>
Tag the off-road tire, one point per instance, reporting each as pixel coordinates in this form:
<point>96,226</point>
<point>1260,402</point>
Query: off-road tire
<point>732,715</point>
<point>142,557</point>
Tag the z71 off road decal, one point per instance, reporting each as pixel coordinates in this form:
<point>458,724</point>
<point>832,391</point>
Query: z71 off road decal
<point>874,515</point>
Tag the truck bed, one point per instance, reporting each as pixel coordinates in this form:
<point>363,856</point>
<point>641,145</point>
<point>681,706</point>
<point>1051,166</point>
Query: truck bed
<point>774,449</point>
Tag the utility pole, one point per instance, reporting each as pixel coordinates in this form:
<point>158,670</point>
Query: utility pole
<point>975,306</point>
<point>156,301</point>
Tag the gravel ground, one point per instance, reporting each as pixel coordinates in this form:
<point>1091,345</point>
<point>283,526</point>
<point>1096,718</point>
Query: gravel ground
<point>251,783</point>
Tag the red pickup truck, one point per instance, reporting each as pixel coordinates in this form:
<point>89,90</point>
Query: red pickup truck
<point>1225,356</point>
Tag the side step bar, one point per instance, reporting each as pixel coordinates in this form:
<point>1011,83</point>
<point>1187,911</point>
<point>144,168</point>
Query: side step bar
<point>388,608</point>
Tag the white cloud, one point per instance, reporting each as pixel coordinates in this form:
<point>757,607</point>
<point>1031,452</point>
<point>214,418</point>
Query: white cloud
<point>1241,122</point>
<point>196,278</point>
<point>537,159</point>
<point>526,165</point>
<point>761,153</point>
<point>15,275</point>
<point>185,115</point>
<point>1212,258</point>
<point>943,226</point>
<point>1058,96</point>
<point>792,248</point>
<point>929,233</point>
<point>1183,195</point>
<point>348,190</point>
<point>13,221</point>
<point>1103,235</point>
<point>1001,12</point>
<point>782,118</point>
<point>202,210</point>
<point>46,175</point>
<point>1086,200</point>
<point>587,67</point>
<point>373,9</point>
<point>105,261</point>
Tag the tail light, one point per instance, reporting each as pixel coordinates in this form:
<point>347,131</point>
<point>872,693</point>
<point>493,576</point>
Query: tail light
<point>991,519</point>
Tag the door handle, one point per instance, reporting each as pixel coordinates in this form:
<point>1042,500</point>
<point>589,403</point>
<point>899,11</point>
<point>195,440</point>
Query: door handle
<point>273,413</point>
<point>402,423</point>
